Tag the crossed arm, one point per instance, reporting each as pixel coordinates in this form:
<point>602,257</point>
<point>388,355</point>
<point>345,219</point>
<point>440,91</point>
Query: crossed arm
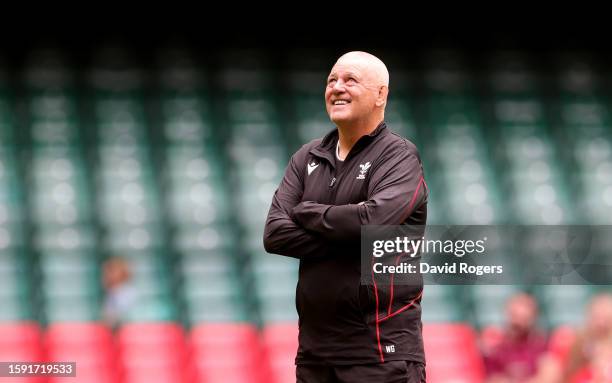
<point>282,235</point>
<point>305,228</point>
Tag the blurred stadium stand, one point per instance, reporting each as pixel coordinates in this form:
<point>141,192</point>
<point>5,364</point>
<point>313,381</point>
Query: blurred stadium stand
<point>173,164</point>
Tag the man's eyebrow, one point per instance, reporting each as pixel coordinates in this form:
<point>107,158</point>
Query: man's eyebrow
<point>348,74</point>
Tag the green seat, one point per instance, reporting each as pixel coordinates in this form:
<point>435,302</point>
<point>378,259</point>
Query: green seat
<point>312,119</point>
<point>213,289</point>
<point>153,309</point>
<point>6,120</point>
<point>195,200</point>
<point>278,308</point>
<point>187,120</point>
<point>489,302</point>
<point>145,261</point>
<point>556,300</point>
<point>308,82</point>
<point>65,238</point>
<point>53,113</point>
<point>72,308</point>
<point>131,202</point>
<point>267,283</point>
<point>70,273</point>
<point>442,303</point>
<point>190,238</point>
<point>216,310</point>
<point>121,239</point>
<point>15,308</point>
<point>14,284</point>
<point>60,192</point>
<point>152,285</point>
<point>11,235</point>
<point>399,118</point>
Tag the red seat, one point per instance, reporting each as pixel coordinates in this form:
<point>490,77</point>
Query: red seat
<point>33,379</point>
<point>89,359</point>
<point>229,350</point>
<point>151,334</point>
<point>228,375</point>
<point>280,342</point>
<point>154,352</point>
<point>157,375</point>
<point>223,333</point>
<point>452,353</point>
<point>92,333</point>
<point>219,342</point>
<point>21,346</point>
<point>31,353</point>
<point>435,375</point>
<point>281,334</point>
<point>142,356</point>
<point>448,332</point>
<point>19,333</point>
<point>561,342</point>
<point>89,344</point>
<point>86,375</point>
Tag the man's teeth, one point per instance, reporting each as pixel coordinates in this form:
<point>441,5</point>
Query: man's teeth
<point>341,102</point>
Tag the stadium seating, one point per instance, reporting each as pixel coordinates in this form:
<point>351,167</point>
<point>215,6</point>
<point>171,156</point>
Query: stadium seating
<point>172,164</point>
<point>89,344</point>
<point>228,353</point>
<point>280,345</point>
<point>457,357</point>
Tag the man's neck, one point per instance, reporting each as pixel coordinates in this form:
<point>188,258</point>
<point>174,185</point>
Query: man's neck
<point>349,135</point>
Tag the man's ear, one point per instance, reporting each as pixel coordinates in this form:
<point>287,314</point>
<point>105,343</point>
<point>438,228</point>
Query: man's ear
<point>383,92</point>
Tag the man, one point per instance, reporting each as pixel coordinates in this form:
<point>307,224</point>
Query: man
<point>519,354</point>
<point>597,330</point>
<point>120,295</point>
<point>359,174</point>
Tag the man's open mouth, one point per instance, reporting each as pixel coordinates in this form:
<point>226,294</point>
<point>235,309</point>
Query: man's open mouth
<point>341,102</point>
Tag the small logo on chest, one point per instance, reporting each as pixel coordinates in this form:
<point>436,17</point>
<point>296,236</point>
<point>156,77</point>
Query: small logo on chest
<point>312,166</point>
<point>363,171</point>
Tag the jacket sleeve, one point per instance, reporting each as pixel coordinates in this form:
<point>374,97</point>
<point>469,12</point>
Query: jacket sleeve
<point>281,234</point>
<point>396,188</point>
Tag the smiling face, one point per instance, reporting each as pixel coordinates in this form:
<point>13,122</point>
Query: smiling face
<point>357,88</point>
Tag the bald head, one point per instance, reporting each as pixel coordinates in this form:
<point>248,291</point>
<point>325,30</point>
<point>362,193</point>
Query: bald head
<point>372,66</point>
<point>356,92</point>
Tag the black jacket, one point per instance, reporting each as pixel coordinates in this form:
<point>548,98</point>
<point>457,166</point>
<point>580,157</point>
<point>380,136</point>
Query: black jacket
<point>316,216</point>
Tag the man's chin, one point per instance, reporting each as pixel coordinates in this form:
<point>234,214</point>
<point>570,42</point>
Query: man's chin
<point>340,119</point>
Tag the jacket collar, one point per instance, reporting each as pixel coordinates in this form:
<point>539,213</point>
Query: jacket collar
<point>327,148</point>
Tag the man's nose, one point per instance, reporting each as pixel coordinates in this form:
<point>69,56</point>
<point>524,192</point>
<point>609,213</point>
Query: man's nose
<point>338,86</point>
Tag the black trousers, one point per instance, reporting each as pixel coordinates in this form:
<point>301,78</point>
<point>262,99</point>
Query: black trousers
<point>388,372</point>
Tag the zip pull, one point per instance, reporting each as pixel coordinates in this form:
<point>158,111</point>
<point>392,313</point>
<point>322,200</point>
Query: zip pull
<point>333,181</point>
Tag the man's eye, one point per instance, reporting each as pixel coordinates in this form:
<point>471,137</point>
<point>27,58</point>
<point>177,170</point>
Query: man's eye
<point>351,81</point>
<point>331,81</point>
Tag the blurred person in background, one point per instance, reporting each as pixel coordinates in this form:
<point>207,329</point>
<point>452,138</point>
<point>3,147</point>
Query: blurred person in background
<point>119,293</point>
<point>361,173</point>
<point>591,348</point>
<point>599,368</point>
<point>518,357</point>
